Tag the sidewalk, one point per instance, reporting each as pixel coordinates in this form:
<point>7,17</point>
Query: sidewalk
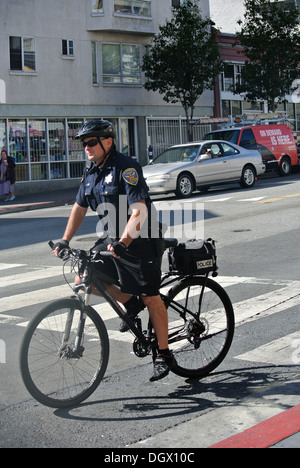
<point>268,419</point>
<point>36,201</point>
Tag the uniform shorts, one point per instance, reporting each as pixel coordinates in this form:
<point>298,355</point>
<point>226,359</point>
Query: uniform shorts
<point>137,276</point>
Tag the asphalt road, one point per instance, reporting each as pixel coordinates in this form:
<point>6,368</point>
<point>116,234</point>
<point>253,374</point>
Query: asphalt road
<point>257,234</point>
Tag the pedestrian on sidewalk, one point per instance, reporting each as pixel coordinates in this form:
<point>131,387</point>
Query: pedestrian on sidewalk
<point>7,176</point>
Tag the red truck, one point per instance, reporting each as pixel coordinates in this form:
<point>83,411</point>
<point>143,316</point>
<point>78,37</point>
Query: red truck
<point>275,143</point>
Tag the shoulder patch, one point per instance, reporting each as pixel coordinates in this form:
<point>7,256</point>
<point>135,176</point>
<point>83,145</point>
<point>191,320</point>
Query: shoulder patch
<point>131,176</point>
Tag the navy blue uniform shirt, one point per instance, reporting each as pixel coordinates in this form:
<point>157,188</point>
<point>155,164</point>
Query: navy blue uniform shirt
<point>111,190</point>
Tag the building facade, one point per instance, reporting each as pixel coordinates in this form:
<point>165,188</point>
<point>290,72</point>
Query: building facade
<point>226,14</point>
<point>62,63</point>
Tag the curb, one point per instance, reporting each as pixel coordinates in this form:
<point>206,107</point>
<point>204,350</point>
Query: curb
<point>34,206</point>
<point>267,433</point>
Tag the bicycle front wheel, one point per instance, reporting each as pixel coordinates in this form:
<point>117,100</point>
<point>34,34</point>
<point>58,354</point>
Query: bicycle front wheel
<point>201,326</point>
<point>52,372</point>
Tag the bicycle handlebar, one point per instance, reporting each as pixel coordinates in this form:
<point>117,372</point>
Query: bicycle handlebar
<point>77,253</point>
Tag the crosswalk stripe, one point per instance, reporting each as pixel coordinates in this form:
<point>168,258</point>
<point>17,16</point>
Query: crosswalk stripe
<point>6,266</point>
<point>8,319</point>
<point>278,352</point>
<point>269,303</point>
<point>30,276</point>
<point>247,310</point>
<point>30,298</point>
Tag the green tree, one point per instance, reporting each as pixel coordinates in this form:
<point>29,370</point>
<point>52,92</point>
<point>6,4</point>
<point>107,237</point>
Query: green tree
<point>183,59</point>
<point>270,38</point>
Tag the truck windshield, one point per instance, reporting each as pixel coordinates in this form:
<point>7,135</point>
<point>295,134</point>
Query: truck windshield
<point>226,135</point>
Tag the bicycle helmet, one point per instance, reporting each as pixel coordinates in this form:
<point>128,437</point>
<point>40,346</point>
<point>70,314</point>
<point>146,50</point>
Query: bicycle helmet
<point>97,128</point>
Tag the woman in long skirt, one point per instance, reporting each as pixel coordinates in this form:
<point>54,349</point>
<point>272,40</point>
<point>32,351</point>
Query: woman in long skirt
<point>7,176</point>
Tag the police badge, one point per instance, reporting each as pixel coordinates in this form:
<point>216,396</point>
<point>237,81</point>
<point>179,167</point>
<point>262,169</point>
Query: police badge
<point>131,176</point>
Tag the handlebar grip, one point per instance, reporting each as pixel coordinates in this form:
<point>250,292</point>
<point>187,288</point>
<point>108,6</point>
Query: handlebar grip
<point>51,244</point>
<point>106,253</point>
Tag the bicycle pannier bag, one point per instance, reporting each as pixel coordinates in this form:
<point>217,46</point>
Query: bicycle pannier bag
<point>194,257</point>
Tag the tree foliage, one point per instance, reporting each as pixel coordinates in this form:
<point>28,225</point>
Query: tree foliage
<point>270,38</point>
<point>183,59</point>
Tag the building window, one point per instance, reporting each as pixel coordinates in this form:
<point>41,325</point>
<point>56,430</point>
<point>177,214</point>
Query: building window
<point>67,48</point>
<point>22,54</point>
<point>97,7</point>
<point>231,77</point>
<point>45,149</point>
<point>95,62</point>
<point>178,3</point>
<point>17,144</point>
<point>133,7</point>
<point>2,134</point>
<point>121,64</point>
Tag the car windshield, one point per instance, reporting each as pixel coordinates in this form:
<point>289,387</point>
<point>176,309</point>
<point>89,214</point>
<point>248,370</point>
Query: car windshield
<point>226,135</point>
<point>178,154</point>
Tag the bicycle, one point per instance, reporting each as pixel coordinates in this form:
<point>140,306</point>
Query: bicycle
<point>65,349</point>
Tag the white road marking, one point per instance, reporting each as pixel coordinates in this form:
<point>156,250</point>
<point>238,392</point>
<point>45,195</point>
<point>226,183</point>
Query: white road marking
<point>280,352</point>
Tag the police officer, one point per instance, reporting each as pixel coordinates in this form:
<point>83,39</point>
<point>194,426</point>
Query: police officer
<point>114,187</point>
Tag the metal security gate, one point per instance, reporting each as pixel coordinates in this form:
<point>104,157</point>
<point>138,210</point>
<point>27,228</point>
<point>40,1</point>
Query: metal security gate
<point>165,132</point>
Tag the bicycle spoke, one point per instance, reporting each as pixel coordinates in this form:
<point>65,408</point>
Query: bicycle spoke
<point>53,369</point>
<point>207,333</point>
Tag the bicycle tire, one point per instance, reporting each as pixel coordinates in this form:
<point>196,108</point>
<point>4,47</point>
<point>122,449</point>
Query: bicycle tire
<point>53,380</point>
<point>209,340</point>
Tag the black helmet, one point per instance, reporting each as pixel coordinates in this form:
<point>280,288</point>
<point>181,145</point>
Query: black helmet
<point>97,128</point>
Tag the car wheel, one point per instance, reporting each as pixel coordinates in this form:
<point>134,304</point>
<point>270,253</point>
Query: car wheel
<point>185,186</point>
<point>248,177</point>
<point>285,167</point>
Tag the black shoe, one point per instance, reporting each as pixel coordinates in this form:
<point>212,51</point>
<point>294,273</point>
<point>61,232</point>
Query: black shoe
<point>133,309</point>
<point>162,366</point>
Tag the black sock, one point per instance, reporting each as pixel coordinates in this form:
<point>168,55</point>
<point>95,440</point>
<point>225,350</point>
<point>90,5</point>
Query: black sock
<point>164,352</point>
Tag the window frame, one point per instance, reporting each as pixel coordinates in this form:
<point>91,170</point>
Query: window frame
<point>95,67</point>
<point>69,43</point>
<point>22,70</point>
<point>132,14</point>
<point>122,76</point>
<point>100,11</point>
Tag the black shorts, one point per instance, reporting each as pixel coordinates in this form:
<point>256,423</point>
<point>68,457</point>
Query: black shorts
<point>137,276</point>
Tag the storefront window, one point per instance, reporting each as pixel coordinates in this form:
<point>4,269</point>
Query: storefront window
<point>58,171</point>
<point>127,137</point>
<point>75,149</point>
<point>57,148</point>
<point>74,146</point>
<point>37,140</point>
<point>46,149</point>
<point>2,134</point>
<point>18,147</point>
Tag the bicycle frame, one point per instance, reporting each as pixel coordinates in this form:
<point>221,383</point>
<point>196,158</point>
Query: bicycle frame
<point>143,340</point>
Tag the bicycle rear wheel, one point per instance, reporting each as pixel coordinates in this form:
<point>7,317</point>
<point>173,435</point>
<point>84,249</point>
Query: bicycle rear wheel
<point>203,323</point>
<point>52,373</point>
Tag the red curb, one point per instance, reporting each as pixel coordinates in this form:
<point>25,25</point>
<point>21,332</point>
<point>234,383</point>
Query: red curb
<point>267,433</point>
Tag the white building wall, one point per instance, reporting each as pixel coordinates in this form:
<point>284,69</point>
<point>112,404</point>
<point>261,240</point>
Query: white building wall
<point>62,88</point>
<point>60,81</point>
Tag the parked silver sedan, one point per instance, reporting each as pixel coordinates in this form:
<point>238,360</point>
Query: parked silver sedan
<point>197,166</point>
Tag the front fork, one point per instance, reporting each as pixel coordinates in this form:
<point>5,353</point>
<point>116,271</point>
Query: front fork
<point>76,349</point>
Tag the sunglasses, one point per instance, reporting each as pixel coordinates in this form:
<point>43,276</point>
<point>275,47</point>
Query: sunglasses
<point>90,143</point>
